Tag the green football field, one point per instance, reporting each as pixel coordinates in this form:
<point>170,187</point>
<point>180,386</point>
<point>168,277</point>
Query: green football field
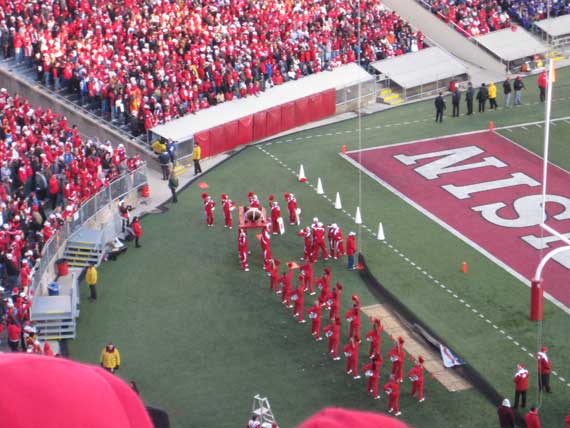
<point>201,338</point>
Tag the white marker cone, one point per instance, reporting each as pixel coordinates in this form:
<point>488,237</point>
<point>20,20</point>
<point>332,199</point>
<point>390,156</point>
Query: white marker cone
<point>320,190</point>
<point>302,174</point>
<point>338,204</point>
<point>381,235</point>
<point>357,217</point>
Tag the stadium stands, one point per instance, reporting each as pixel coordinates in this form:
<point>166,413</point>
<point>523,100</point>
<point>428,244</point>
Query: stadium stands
<point>477,17</point>
<point>143,63</point>
<point>47,171</point>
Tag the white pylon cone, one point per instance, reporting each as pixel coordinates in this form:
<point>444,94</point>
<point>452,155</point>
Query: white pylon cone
<point>320,190</point>
<point>337,203</point>
<point>357,217</point>
<point>302,174</point>
<point>381,235</point>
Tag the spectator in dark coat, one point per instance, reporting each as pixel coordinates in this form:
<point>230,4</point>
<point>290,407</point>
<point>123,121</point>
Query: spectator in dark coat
<point>439,107</point>
<point>482,97</point>
<point>455,100</point>
<point>518,86</point>
<point>506,415</point>
<point>469,94</point>
<point>507,89</point>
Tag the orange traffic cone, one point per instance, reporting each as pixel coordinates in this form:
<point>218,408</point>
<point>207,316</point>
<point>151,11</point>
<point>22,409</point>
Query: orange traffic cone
<point>464,267</point>
<point>491,125</point>
<point>343,148</point>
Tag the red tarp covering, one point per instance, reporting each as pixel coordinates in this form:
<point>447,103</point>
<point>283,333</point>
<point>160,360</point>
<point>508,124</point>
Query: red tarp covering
<point>245,130</point>
<point>61,393</point>
<point>203,138</point>
<point>218,139</point>
<point>315,107</point>
<point>301,111</point>
<point>274,125</point>
<point>287,116</point>
<point>260,125</point>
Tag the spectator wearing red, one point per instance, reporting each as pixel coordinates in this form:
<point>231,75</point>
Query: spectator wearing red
<point>531,419</point>
<point>543,370</point>
<point>137,231</point>
<point>351,249</point>
<point>542,82</point>
<point>521,385</point>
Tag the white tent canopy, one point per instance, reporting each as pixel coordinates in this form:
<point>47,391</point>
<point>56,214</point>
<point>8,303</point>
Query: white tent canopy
<point>555,27</point>
<point>509,45</point>
<point>420,68</point>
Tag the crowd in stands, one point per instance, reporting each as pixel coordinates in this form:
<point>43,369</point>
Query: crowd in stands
<point>478,17</point>
<point>47,171</point>
<point>145,62</point>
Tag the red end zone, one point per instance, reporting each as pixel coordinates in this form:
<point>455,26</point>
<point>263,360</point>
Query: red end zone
<point>486,190</point>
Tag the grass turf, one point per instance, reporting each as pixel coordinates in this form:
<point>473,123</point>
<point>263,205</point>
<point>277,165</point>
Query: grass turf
<point>201,337</point>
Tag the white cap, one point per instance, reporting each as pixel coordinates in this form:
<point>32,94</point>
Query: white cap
<point>351,233</point>
<point>315,219</point>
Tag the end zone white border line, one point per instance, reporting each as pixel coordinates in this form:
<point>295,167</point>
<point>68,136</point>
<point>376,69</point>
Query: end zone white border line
<point>439,221</point>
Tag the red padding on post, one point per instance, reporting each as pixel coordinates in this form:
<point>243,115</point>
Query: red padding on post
<point>260,125</point>
<point>217,140</point>
<point>245,130</point>
<point>536,300</point>
<point>287,116</point>
<point>315,107</point>
<point>274,121</point>
<point>203,138</point>
<point>302,111</point>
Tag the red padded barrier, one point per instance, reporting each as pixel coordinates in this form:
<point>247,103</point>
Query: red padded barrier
<point>287,116</point>
<point>203,138</point>
<point>260,125</point>
<point>329,102</point>
<point>231,135</point>
<point>217,139</point>
<point>274,121</point>
<point>302,111</point>
<point>315,107</point>
<point>245,130</point>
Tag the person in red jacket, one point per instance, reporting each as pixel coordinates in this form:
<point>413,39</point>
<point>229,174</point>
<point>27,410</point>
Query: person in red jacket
<point>353,317</point>
<point>318,233</point>
<point>375,338</point>
<point>567,420</point>
<point>298,301</point>
<point>14,333</point>
<point>333,301</point>
<point>372,372</point>
<point>307,272</point>
<point>286,288</point>
<point>351,353</point>
<point>137,231</point>
<point>332,332</point>
<point>351,249</point>
<point>274,275</point>
<point>243,249</point>
<point>291,207</point>
<point>543,370</point>
<point>396,356</point>
<point>307,250</point>
<point>53,184</point>
<point>521,385</point>
<point>392,388</point>
<point>416,375</point>
<point>531,418</point>
<point>315,314</point>
<point>209,207</point>
<point>542,83</point>
<point>323,285</point>
<point>227,207</point>
<point>275,215</point>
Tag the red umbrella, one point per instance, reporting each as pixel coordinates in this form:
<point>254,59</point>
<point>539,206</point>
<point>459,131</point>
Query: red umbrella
<point>51,392</point>
<point>333,417</point>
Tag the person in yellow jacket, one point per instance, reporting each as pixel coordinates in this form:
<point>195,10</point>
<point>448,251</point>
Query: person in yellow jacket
<point>196,156</point>
<point>492,89</point>
<point>110,358</point>
<point>91,280</point>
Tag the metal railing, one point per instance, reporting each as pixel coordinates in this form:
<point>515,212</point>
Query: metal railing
<point>116,189</point>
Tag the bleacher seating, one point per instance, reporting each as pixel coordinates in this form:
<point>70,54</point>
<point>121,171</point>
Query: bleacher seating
<point>477,17</point>
<point>47,171</point>
<point>141,63</point>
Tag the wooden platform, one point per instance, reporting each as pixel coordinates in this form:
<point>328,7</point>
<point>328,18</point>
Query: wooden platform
<point>392,326</point>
